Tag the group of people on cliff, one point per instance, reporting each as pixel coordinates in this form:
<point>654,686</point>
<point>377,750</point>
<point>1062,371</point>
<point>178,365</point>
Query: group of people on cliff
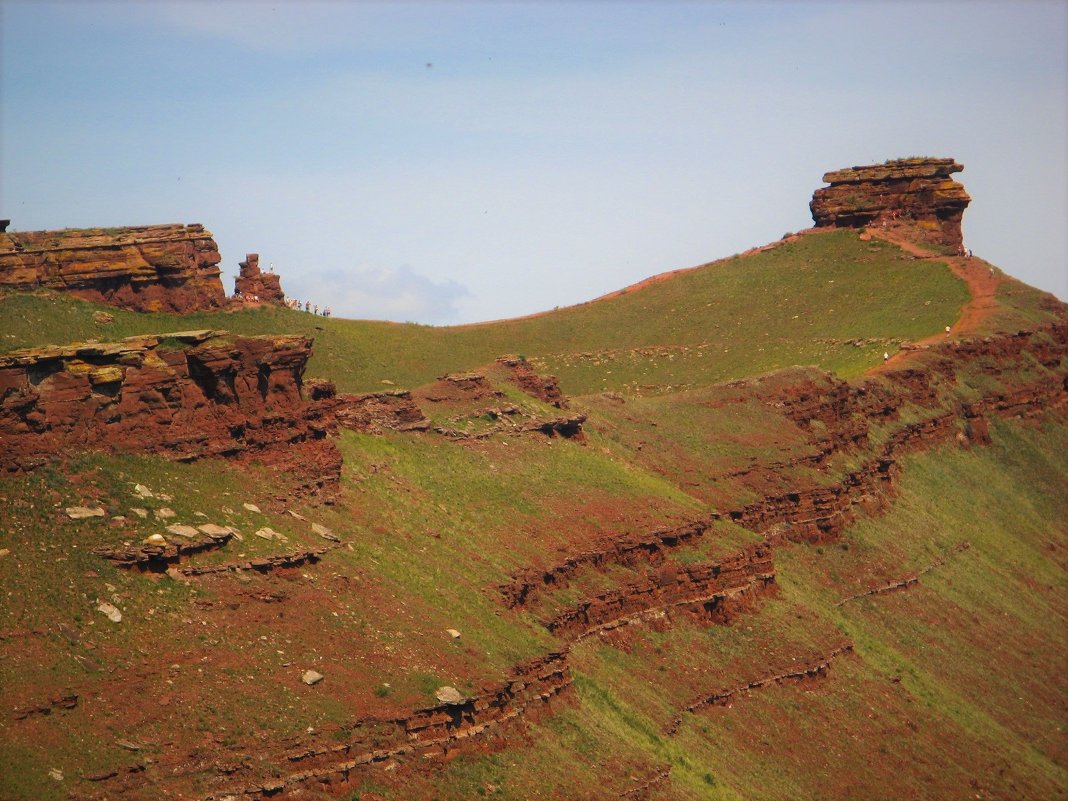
<point>290,303</point>
<point>308,306</point>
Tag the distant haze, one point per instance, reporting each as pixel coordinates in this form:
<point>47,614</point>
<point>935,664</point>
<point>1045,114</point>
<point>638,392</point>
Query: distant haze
<point>454,162</point>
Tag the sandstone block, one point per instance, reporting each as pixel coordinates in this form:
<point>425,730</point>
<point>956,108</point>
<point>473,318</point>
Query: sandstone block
<point>917,191</point>
<point>146,268</point>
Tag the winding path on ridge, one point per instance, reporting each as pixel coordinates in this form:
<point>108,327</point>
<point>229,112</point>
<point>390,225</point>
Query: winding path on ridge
<point>980,277</point>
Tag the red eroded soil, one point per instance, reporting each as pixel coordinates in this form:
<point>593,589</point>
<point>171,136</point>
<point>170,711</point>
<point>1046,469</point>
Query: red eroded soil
<point>982,281</point>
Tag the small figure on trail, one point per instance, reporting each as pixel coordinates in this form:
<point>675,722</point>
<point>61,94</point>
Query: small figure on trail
<point>968,253</point>
<point>947,330</point>
<point>326,312</point>
<point>316,308</point>
<point>307,305</point>
<point>991,272</point>
<point>886,356</point>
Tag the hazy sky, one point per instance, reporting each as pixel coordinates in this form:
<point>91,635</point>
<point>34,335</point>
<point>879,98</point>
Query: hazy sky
<point>450,162</point>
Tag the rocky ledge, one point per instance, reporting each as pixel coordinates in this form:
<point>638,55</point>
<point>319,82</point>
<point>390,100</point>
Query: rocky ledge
<point>147,268</point>
<point>184,395</point>
<point>915,191</point>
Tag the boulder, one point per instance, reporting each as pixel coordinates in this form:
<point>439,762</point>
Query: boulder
<point>181,530</point>
<point>110,611</point>
<point>311,677</point>
<point>448,695</point>
<point>83,512</point>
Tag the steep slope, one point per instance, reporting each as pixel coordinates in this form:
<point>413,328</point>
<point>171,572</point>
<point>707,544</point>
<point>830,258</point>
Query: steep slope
<point>726,577</point>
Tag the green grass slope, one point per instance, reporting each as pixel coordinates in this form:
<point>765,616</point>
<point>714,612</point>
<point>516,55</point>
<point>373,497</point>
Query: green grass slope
<point>827,299</point>
<point>957,687</point>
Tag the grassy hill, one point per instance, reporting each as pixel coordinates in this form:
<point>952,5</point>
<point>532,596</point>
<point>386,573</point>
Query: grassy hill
<point>830,300</point>
<point>954,684</point>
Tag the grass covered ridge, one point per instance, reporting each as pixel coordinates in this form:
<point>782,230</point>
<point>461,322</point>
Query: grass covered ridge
<point>827,299</point>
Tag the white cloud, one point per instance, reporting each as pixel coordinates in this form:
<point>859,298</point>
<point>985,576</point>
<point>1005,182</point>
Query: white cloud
<point>380,293</point>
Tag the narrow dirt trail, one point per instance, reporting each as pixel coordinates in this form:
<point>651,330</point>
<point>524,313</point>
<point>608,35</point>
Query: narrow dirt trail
<point>980,277</point>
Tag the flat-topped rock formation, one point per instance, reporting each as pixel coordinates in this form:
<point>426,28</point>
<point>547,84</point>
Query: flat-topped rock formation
<point>256,285</point>
<point>918,192</point>
<point>184,395</point>
<point>145,268</point>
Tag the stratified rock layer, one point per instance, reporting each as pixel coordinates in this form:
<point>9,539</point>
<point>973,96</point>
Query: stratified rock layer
<point>148,268</point>
<point>256,285</point>
<point>376,412</point>
<point>185,395</point>
<point>917,191</point>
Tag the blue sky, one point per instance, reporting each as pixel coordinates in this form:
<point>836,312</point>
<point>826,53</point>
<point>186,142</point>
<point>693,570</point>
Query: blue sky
<point>451,162</point>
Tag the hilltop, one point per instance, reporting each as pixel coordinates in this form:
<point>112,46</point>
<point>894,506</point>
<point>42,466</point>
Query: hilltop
<point>785,525</point>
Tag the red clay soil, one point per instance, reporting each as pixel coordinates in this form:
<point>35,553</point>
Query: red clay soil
<point>980,277</point>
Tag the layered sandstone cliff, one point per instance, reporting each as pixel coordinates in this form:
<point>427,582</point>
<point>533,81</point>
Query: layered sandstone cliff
<point>147,268</point>
<point>917,191</point>
<point>185,395</point>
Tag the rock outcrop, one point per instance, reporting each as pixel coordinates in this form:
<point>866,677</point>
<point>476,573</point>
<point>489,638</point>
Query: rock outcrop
<point>916,191</point>
<point>148,268</point>
<point>817,667</point>
<point>709,591</point>
<point>254,284</point>
<point>545,388</point>
<point>157,557</point>
<point>638,549</point>
<point>376,412</point>
<point>185,395</point>
<point>334,763</point>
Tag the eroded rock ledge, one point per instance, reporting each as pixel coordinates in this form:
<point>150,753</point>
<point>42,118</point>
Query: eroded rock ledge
<point>713,592</point>
<point>810,669</point>
<point>186,395</point>
<point>919,191</point>
<point>435,732</point>
<point>818,513</point>
<point>146,268</point>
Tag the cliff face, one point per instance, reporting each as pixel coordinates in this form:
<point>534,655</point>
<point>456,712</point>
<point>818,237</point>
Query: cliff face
<point>186,395</point>
<point>917,191</point>
<point>149,268</point>
<point>256,285</point>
